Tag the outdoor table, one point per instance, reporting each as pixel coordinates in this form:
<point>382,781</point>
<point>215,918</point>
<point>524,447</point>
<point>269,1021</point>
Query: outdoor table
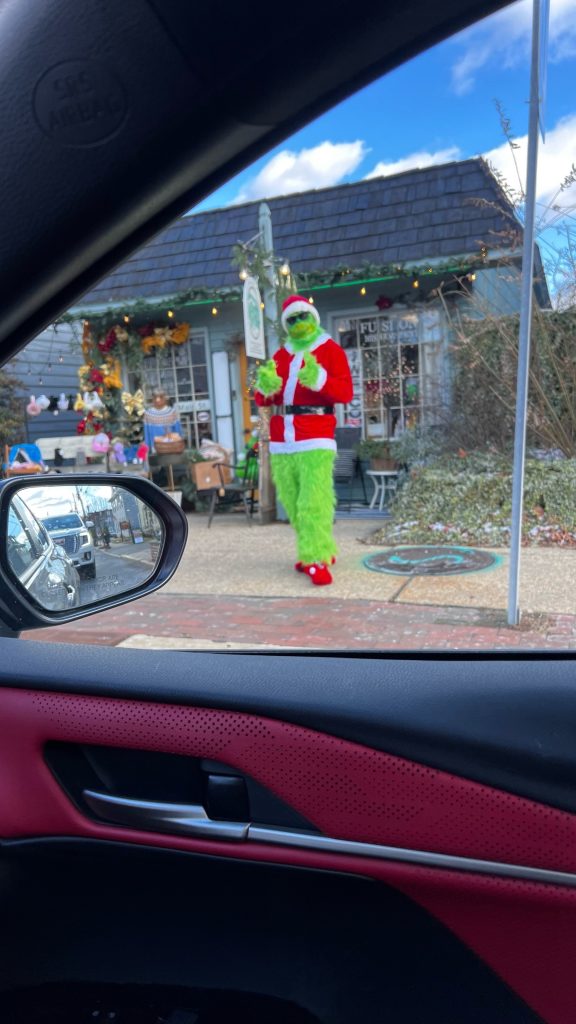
<point>168,462</point>
<point>384,482</point>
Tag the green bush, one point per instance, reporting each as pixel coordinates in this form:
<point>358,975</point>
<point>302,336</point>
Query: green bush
<point>468,500</point>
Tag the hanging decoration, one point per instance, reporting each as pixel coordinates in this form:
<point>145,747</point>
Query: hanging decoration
<point>383,302</point>
<point>115,324</point>
<point>33,409</point>
<point>108,349</point>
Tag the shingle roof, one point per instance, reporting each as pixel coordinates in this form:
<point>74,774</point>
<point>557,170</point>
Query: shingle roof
<point>416,215</point>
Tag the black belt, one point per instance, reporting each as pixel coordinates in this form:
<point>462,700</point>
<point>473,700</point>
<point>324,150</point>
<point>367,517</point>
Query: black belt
<point>304,410</point>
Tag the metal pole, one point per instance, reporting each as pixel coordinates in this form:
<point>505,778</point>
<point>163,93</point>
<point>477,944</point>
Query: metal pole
<point>266,487</point>
<point>525,325</point>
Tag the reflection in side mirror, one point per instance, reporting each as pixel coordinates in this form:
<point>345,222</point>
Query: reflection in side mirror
<point>71,546</point>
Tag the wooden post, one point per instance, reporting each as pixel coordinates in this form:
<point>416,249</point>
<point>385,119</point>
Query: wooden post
<point>267,500</point>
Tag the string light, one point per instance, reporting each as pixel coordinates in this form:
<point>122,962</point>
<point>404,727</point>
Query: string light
<point>243,274</point>
<point>214,311</point>
<point>60,358</point>
<point>415,283</point>
<point>311,300</point>
<point>285,269</point>
<point>171,313</point>
<point>471,277</point>
<point>126,319</point>
<point>261,305</point>
<point>362,291</point>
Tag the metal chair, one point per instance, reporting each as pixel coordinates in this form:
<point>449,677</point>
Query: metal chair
<point>240,487</point>
<point>346,470</point>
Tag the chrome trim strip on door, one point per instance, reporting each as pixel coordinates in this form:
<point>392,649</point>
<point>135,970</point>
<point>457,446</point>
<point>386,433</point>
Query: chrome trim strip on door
<point>324,844</point>
<point>192,820</point>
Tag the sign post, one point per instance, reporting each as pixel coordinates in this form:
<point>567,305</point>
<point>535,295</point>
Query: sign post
<point>539,29</point>
<point>266,487</point>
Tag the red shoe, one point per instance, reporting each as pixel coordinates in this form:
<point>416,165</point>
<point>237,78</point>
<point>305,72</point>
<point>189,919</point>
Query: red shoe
<point>319,573</point>
<point>300,567</point>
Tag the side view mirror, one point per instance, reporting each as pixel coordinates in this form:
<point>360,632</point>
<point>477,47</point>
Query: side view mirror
<point>70,549</point>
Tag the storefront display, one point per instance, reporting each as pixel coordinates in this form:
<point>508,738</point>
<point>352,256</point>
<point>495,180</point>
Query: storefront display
<point>396,361</point>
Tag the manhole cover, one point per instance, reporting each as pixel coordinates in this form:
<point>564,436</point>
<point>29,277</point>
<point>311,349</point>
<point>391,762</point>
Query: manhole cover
<point>430,560</point>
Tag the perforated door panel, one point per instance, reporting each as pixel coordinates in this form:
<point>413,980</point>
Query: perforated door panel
<point>525,932</point>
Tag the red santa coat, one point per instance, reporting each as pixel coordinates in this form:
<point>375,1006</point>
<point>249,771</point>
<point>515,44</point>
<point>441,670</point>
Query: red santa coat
<point>306,432</point>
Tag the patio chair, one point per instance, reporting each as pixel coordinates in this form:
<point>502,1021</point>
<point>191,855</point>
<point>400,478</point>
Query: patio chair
<point>242,488</point>
<point>346,468</point>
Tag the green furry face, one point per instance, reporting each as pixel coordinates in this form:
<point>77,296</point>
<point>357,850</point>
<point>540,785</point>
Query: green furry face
<point>304,332</point>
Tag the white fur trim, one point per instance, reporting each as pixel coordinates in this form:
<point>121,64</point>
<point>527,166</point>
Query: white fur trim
<point>321,380</point>
<point>299,307</point>
<point>289,432</point>
<point>310,445</point>
<point>290,386</point>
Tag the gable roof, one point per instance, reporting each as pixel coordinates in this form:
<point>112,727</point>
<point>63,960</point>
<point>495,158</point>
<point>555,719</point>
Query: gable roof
<point>416,215</point>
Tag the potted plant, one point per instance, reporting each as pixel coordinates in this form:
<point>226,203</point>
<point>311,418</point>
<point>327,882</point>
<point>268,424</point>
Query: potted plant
<point>378,453</point>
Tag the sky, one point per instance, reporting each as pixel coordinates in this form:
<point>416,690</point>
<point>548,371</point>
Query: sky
<point>440,107</point>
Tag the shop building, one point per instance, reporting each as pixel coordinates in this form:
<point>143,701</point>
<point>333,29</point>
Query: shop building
<point>370,254</point>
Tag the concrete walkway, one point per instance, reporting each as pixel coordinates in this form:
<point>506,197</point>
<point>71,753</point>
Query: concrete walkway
<point>236,589</point>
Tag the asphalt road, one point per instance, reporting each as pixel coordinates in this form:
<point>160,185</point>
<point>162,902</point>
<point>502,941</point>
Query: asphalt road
<point>116,572</point>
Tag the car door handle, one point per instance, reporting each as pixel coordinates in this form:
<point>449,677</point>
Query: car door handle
<point>185,819</point>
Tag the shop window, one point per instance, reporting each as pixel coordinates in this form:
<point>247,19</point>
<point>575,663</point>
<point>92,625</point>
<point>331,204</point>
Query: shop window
<point>396,362</point>
<point>182,372</point>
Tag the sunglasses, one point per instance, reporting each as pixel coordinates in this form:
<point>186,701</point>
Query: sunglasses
<point>296,317</point>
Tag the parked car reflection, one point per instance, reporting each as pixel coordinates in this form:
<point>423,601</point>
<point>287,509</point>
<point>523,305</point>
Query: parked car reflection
<point>40,565</point>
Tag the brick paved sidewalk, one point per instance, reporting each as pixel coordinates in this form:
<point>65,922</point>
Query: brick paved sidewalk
<point>312,622</point>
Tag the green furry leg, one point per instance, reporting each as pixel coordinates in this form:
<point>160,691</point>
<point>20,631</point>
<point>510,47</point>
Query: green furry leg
<point>305,485</point>
<point>286,481</point>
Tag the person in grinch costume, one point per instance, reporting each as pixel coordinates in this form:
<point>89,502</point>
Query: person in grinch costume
<point>308,376</point>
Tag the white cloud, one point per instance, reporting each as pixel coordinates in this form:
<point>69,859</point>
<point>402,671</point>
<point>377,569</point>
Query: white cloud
<point>504,40</point>
<point>420,159</point>
<point>555,159</point>
<point>318,167</point>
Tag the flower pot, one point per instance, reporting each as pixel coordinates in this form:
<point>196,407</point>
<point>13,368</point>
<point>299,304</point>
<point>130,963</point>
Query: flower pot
<point>384,464</point>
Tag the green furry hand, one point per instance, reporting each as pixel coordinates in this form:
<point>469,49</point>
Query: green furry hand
<point>309,374</point>
<point>268,380</point>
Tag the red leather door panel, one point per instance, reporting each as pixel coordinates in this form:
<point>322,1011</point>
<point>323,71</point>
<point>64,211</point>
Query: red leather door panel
<point>526,932</point>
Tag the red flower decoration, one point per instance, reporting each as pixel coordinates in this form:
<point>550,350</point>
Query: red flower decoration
<point>383,302</point>
<point>81,427</point>
<point>108,343</point>
<point>96,376</point>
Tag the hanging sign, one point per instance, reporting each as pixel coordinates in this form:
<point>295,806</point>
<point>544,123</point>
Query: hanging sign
<point>253,320</point>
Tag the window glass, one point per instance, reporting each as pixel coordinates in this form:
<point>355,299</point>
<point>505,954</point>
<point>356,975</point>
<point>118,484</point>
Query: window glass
<point>386,440</point>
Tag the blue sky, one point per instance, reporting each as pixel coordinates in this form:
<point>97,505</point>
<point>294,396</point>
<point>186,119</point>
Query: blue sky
<point>438,107</point>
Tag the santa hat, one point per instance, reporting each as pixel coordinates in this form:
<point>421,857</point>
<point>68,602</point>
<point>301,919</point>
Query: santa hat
<point>298,304</point>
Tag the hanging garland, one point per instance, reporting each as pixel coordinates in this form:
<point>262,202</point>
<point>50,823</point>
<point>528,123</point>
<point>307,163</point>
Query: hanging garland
<point>255,260</point>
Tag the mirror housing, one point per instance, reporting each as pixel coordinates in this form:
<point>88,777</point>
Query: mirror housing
<point>18,609</point>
